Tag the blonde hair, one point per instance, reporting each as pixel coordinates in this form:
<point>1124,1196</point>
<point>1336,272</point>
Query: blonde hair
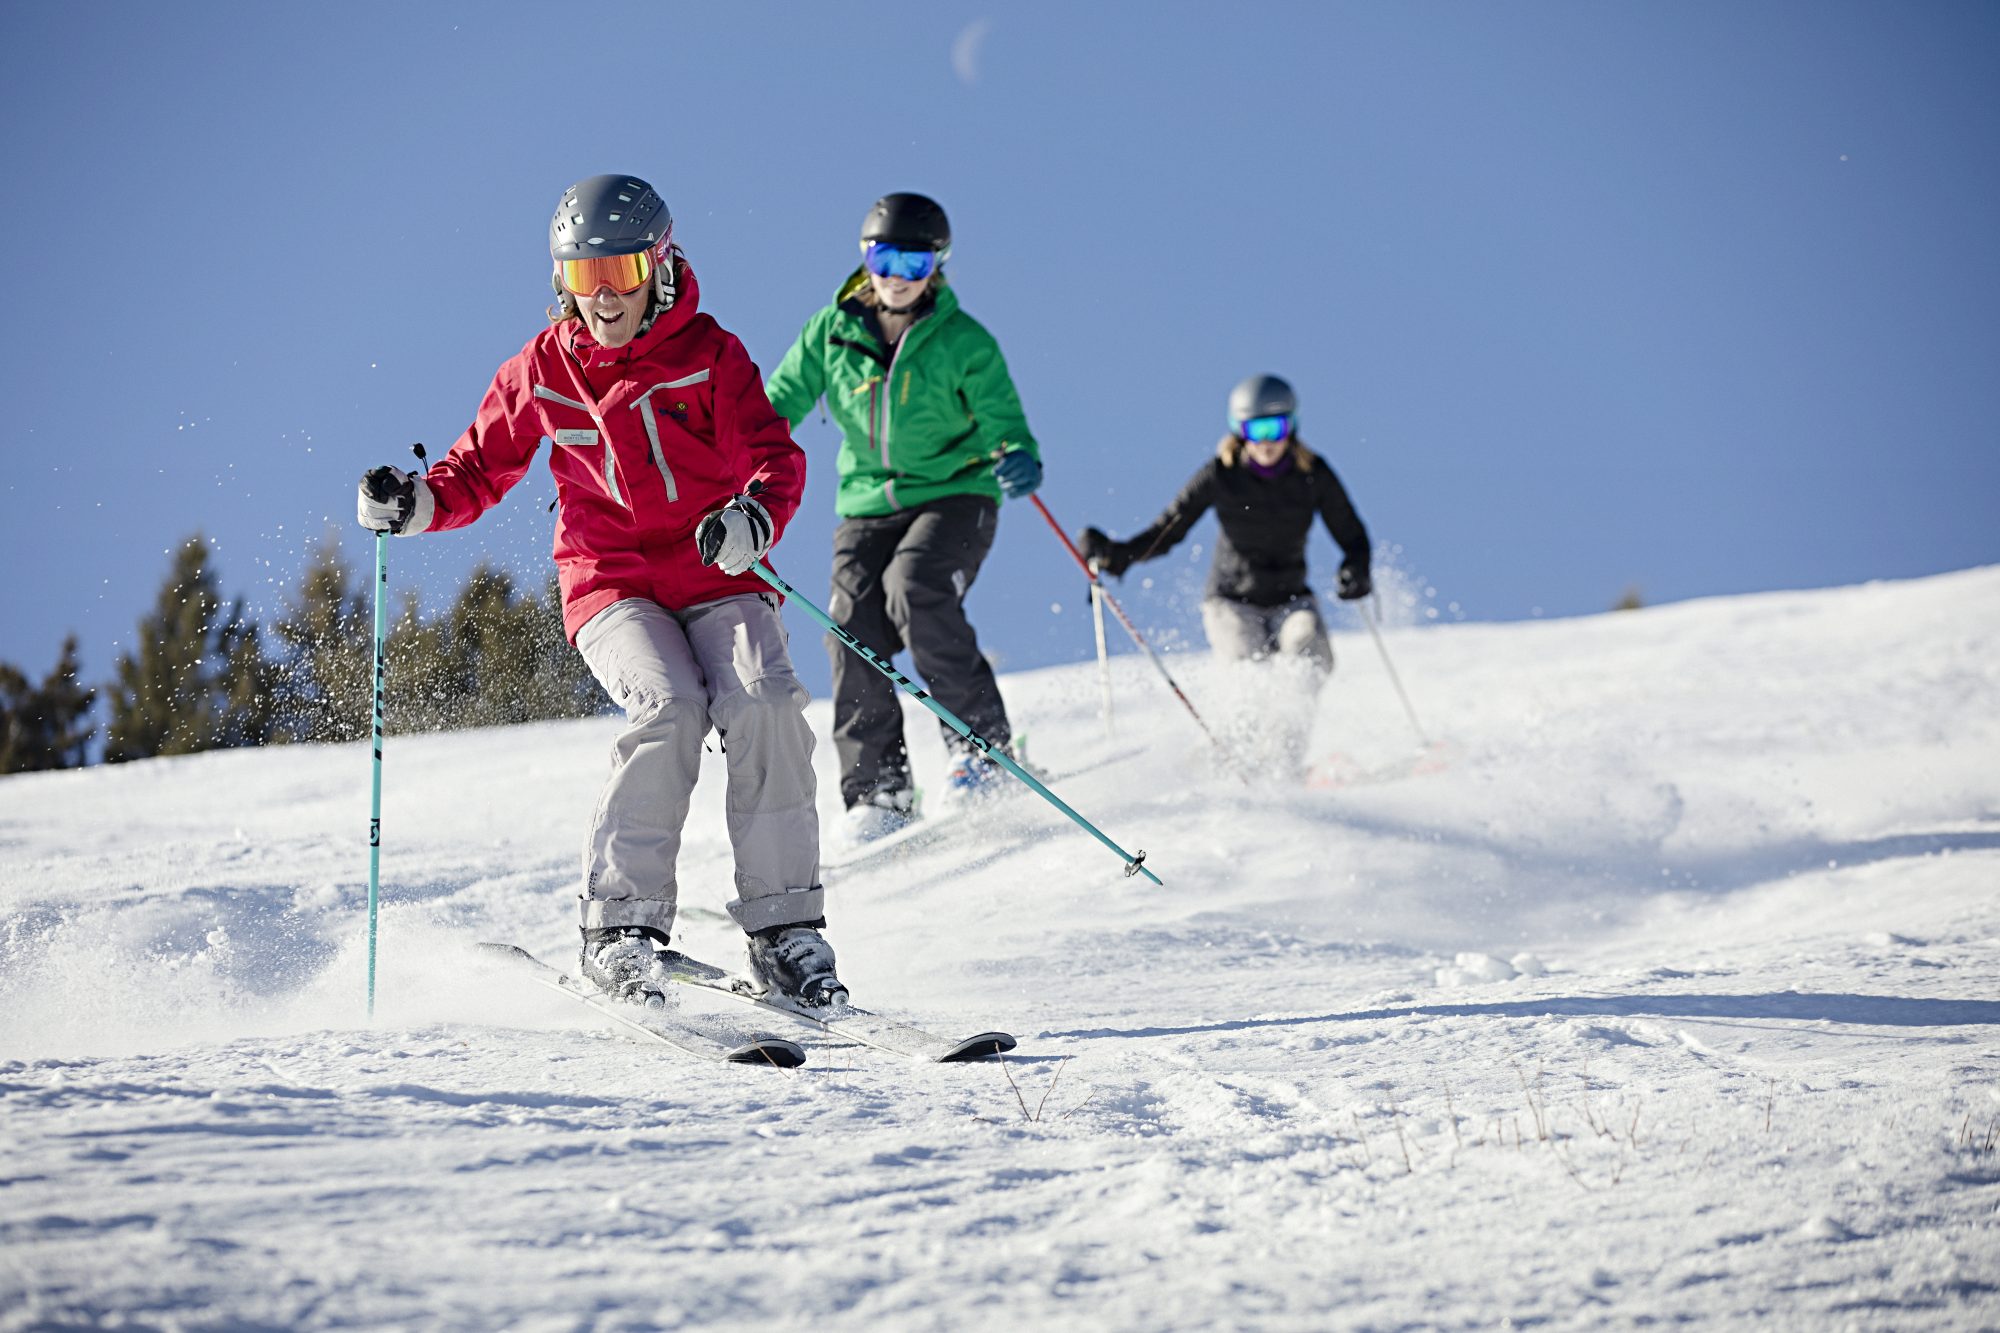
<point>1230,450</point>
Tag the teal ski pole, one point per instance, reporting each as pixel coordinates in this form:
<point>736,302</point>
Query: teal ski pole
<point>375,810</point>
<point>1134,865</point>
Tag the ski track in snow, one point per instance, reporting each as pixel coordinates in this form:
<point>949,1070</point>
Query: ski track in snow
<point>1668,997</point>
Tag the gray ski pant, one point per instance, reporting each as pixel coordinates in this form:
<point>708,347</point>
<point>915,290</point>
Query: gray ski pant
<point>677,673</point>
<point>1273,720</point>
<point>899,581</point>
<point>1240,631</point>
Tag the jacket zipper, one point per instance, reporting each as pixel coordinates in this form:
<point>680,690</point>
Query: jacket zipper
<point>880,390</point>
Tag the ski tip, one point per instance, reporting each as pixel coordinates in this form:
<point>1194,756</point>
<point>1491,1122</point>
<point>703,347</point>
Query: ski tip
<point>982,1047</point>
<point>769,1051</point>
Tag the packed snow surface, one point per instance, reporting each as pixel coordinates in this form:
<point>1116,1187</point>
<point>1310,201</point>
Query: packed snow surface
<point>1661,988</point>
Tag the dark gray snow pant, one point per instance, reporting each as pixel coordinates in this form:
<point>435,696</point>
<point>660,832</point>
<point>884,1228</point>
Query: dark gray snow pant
<point>899,582</point>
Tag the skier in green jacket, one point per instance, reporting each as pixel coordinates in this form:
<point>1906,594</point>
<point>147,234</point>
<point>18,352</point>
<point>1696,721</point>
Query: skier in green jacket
<point>933,437</point>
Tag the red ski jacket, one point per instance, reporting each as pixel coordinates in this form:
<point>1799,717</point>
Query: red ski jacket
<point>647,438</point>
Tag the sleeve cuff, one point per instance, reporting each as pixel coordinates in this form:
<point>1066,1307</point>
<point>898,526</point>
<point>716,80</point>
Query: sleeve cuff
<point>422,512</point>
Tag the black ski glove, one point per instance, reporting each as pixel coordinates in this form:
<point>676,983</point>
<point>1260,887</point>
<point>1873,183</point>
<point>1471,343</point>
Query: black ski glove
<point>1111,557</point>
<point>1354,581</point>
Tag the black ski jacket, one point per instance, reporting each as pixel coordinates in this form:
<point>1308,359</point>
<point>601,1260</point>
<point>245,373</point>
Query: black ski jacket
<point>1261,556</point>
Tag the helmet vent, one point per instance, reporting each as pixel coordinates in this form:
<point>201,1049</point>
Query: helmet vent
<point>606,215</point>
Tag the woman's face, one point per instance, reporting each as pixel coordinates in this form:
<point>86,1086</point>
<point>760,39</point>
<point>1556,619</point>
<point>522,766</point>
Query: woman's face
<point>1268,452</point>
<point>613,320</point>
<point>898,293</point>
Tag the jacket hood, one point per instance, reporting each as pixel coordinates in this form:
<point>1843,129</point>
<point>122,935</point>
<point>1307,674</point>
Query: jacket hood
<point>687,304</point>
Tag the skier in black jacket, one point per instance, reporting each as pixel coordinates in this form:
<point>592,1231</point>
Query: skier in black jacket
<point>1265,487</point>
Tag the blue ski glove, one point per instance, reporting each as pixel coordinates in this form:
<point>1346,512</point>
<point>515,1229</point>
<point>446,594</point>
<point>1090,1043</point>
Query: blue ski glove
<point>1019,474</point>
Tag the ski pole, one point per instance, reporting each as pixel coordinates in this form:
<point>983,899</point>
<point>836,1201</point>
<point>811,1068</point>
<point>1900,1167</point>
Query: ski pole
<point>1103,654</point>
<point>375,811</point>
<point>1097,584</point>
<point>1368,618</point>
<point>375,797</point>
<point>1134,865</point>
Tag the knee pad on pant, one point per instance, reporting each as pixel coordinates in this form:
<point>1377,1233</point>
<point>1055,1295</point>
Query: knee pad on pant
<point>650,717</point>
<point>905,599</point>
<point>778,698</point>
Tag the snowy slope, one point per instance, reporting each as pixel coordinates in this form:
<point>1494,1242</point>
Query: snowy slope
<point>1744,852</point>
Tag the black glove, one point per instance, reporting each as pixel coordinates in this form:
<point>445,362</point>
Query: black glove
<point>1112,557</point>
<point>387,498</point>
<point>1354,581</point>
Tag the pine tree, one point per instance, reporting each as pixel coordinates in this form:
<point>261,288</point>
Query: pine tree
<point>496,657</point>
<point>249,685</point>
<point>16,707</point>
<point>324,690</point>
<point>182,689</point>
<point>45,726</point>
<point>491,633</point>
<point>562,685</point>
<point>424,691</point>
<point>63,706</point>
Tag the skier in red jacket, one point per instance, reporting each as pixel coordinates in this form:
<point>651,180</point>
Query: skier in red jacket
<point>673,476</point>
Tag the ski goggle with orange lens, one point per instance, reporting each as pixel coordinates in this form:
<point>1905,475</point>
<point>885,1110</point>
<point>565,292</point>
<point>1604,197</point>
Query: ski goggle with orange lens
<point>1265,430</point>
<point>621,273</point>
<point>893,261</point>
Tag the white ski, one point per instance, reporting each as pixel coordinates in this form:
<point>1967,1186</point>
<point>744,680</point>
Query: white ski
<point>859,1025</point>
<point>699,1036</point>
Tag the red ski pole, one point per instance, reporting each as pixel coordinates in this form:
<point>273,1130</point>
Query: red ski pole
<point>1138,638</point>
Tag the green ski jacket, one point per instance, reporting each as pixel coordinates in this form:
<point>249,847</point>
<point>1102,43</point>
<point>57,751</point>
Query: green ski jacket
<point>919,421</point>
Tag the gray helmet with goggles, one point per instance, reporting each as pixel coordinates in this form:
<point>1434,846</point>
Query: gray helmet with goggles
<point>608,215</point>
<point>605,219</point>
<point>1261,396</point>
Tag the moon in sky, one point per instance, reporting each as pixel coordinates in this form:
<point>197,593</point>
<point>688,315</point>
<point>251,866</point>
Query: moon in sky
<point>965,51</point>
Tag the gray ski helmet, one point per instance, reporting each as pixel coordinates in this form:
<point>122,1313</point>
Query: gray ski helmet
<point>912,221</point>
<point>609,215</point>
<point>1261,396</point>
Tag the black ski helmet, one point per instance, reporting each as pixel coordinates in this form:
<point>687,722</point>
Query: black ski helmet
<point>1261,396</point>
<point>912,221</point>
<point>609,215</point>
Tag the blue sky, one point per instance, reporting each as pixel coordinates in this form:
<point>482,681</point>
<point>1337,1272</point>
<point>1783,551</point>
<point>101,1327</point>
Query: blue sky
<point>1697,298</point>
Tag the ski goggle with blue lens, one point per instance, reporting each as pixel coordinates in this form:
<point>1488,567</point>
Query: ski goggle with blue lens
<point>1263,430</point>
<point>893,261</point>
